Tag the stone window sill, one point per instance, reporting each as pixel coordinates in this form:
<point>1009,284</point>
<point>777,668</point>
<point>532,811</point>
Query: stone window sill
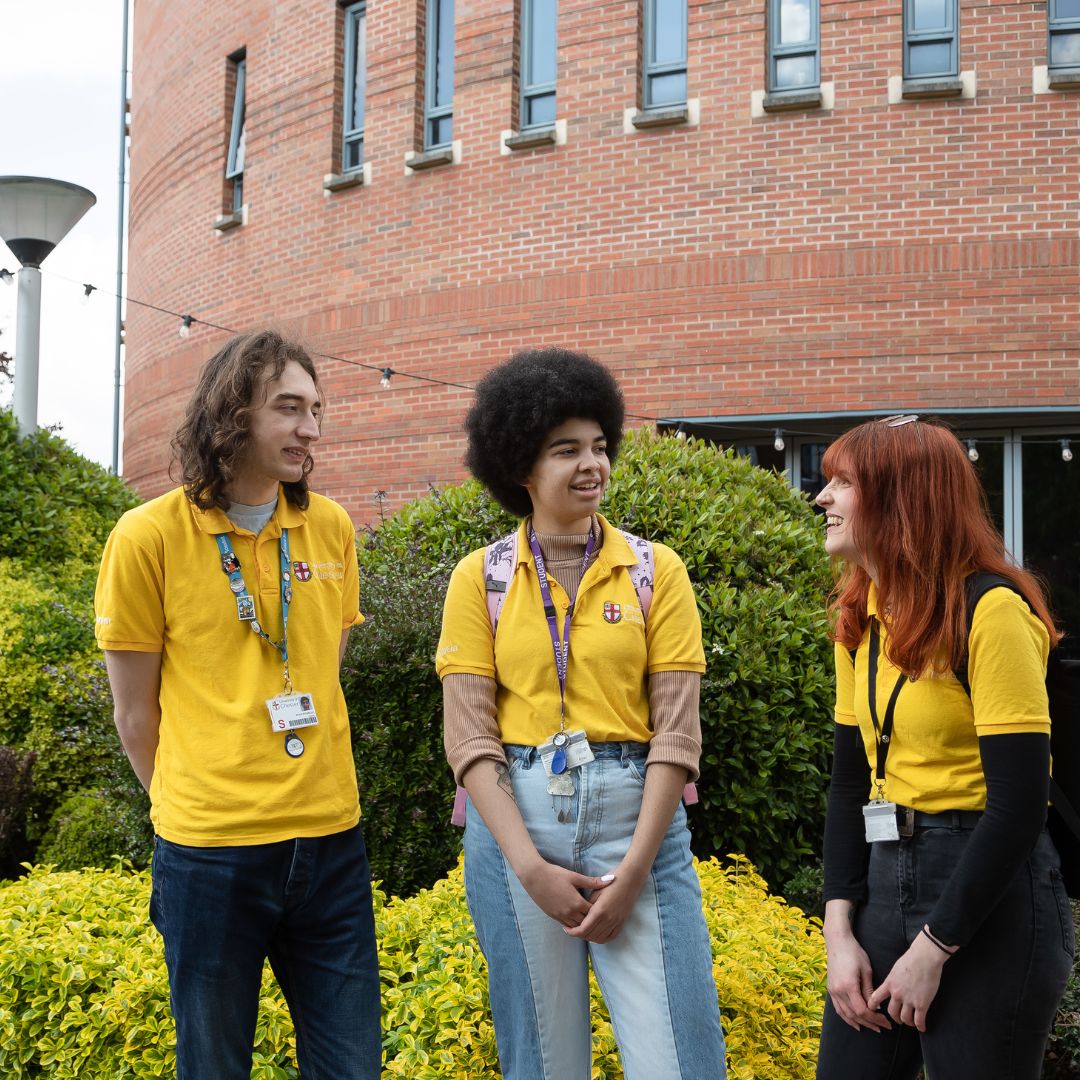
<point>230,221</point>
<point>343,181</point>
<point>651,118</point>
<point>430,159</point>
<point>792,99</point>
<point>1064,79</point>
<point>526,140</point>
<point>913,89</point>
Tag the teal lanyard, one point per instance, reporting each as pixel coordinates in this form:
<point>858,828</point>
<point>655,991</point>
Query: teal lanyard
<point>245,603</point>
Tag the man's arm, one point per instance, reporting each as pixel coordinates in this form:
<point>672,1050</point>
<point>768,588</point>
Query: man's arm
<point>343,646</point>
<point>135,679</point>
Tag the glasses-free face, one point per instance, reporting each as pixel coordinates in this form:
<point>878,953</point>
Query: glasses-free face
<point>838,500</point>
<point>568,478</point>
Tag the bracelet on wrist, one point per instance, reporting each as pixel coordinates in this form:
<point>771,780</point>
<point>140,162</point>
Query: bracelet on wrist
<point>941,945</point>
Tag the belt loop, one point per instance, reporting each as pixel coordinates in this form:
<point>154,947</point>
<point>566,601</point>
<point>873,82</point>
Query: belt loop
<point>905,821</point>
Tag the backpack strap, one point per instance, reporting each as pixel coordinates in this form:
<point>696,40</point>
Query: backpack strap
<point>500,559</point>
<point>977,586</point>
<point>642,573</point>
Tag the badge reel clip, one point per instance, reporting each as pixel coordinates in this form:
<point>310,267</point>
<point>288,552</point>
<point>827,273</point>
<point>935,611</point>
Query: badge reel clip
<point>879,819</point>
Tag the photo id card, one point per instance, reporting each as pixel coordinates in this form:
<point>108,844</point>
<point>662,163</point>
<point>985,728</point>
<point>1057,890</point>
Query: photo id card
<point>290,711</point>
<point>880,820</point>
<point>578,751</point>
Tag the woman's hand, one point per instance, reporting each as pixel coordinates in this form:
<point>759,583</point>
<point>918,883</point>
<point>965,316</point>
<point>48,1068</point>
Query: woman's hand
<point>612,907</point>
<point>913,983</point>
<point>850,978</point>
<point>555,891</point>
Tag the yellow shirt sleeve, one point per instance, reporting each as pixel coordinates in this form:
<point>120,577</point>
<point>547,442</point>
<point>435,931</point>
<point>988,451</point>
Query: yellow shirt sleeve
<point>1007,654</point>
<point>466,645</point>
<point>673,628</point>
<point>350,585</point>
<point>845,685</point>
<point>129,602</point>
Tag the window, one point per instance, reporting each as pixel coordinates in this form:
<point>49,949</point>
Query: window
<point>1064,31</point>
<point>537,63</point>
<point>352,143</point>
<point>664,53</point>
<point>930,39</point>
<point>793,45</point>
<point>439,74</point>
<point>234,165</point>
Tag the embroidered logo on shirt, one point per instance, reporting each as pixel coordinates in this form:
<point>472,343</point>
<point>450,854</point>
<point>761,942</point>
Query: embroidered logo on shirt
<point>612,612</point>
<point>302,571</point>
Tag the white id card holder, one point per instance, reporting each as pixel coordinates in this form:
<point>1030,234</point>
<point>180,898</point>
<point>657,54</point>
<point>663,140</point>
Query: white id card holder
<point>879,817</point>
<point>291,711</point>
<point>578,751</point>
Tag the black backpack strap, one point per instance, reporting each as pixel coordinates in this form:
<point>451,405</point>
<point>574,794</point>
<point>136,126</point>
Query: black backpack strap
<point>977,586</point>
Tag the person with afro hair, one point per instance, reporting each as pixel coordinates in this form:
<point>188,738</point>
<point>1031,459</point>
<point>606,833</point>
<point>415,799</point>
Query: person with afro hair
<point>575,758</point>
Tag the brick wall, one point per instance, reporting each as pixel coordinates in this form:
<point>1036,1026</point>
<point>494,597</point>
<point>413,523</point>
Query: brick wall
<point>918,255</point>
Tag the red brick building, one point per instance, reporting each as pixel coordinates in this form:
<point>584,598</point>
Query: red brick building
<point>767,216</point>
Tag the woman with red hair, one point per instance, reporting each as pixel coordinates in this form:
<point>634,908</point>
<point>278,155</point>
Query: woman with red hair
<point>948,931</point>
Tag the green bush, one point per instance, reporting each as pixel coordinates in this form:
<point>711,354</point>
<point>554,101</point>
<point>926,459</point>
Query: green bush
<point>83,988</point>
<point>15,788</point>
<point>753,549</point>
<point>96,828</point>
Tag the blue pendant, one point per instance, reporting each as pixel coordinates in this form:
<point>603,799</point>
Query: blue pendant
<point>558,761</point>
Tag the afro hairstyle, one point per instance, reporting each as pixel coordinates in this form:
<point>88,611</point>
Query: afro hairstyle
<point>520,401</point>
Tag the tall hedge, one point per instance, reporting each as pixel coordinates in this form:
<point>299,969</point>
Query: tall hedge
<point>753,549</point>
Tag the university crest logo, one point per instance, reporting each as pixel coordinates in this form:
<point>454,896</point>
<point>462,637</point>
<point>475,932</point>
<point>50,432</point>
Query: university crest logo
<point>302,571</point>
<point>612,612</point>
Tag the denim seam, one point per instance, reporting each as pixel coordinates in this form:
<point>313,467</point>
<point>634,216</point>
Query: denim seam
<point>1032,940</point>
<point>663,960</point>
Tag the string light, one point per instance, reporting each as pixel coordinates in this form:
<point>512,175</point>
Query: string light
<point>973,453</point>
<point>6,276</point>
<point>778,441</point>
<point>185,326</point>
<point>384,382</point>
<point>1066,451</point>
<point>680,433</point>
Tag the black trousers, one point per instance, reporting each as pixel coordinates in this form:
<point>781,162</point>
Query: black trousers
<point>994,1010</point>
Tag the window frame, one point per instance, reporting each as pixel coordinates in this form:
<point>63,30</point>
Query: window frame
<point>779,51</point>
<point>1059,26</point>
<point>354,14</point>
<point>433,111</point>
<point>948,33</point>
<point>651,69</point>
<point>530,90</point>
<point>235,158</point>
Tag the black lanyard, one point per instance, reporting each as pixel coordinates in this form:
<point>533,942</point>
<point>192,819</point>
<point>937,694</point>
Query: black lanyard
<point>882,732</point>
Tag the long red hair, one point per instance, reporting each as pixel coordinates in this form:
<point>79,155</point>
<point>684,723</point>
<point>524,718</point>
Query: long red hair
<point>921,519</point>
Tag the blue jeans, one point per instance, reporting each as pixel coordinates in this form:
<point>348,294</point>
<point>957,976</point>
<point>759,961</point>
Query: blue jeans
<point>306,904</point>
<point>998,996</point>
<point>656,976</point>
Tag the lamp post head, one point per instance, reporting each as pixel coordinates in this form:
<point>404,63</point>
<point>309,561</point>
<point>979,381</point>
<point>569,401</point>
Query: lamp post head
<point>37,213</point>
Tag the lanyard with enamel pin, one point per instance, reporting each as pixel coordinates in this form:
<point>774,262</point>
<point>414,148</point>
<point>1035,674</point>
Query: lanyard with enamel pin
<point>565,750</point>
<point>288,710</point>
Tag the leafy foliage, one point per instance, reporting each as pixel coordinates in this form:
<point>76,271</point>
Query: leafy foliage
<point>83,987</point>
<point>753,549</point>
<point>15,788</point>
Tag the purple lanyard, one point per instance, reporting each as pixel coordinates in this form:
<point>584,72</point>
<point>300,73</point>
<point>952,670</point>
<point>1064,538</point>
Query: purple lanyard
<point>562,651</point>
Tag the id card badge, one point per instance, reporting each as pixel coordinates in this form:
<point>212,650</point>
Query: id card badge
<point>879,818</point>
<point>576,749</point>
<point>291,711</point>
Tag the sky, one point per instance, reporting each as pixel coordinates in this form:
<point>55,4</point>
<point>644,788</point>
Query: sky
<point>60,79</point>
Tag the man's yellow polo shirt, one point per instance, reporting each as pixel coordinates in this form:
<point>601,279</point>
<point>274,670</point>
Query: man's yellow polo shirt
<point>933,762</point>
<point>221,776</point>
<point>610,658</point>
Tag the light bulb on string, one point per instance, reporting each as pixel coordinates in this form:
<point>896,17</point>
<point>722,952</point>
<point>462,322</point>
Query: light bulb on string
<point>88,290</point>
<point>778,441</point>
<point>680,433</point>
<point>185,326</point>
<point>384,382</point>
<point>6,276</point>
<point>1066,450</point>
<point>973,451</point>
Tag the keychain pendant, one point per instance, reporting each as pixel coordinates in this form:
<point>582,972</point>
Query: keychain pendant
<point>560,740</point>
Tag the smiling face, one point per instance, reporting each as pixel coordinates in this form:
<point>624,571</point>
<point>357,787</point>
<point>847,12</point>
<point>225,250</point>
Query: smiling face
<point>568,478</point>
<point>838,500</point>
<point>281,431</point>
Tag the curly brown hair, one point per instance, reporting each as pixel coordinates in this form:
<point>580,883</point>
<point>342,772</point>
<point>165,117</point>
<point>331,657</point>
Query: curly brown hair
<point>212,439</point>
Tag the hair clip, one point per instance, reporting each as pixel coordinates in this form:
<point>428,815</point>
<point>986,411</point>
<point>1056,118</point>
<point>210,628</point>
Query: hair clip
<point>899,420</point>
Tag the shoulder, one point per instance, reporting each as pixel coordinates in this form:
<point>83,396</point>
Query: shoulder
<point>472,566</point>
<point>157,519</point>
<point>667,560</point>
<point>1002,610</point>
<point>324,511</point>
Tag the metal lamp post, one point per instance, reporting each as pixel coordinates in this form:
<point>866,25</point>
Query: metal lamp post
<point>35,215</point>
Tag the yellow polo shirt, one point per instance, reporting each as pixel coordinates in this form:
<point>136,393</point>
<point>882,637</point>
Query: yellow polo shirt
<point>221,775</point>
<point>933,762</point>
<point>610,658</point>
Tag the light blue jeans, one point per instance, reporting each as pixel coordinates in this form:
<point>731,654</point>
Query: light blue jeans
<point>656,976</point>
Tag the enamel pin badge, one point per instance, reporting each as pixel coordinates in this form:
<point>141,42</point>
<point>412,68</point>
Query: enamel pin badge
<point>612,612</point>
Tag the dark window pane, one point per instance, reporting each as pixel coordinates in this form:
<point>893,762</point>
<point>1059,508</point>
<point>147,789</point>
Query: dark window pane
<point>812,480</point>
<point>931,59</point>
<point>541,42</point>
<point>443,39</point>
<point>441,130</point>
<point>795,22</point>
<point>541,110</point>
<point>667,89</point>
<point>1067,9</point>
<point>1065,50</point>
<point>930,14</point>
<point>793,71</point>
<point>668,32</point>
<point>354,154</point>
<point>238,193</point>
<point>357,76</point>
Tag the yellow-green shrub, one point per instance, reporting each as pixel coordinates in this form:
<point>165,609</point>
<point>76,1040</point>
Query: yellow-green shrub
<point>84,992</point>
